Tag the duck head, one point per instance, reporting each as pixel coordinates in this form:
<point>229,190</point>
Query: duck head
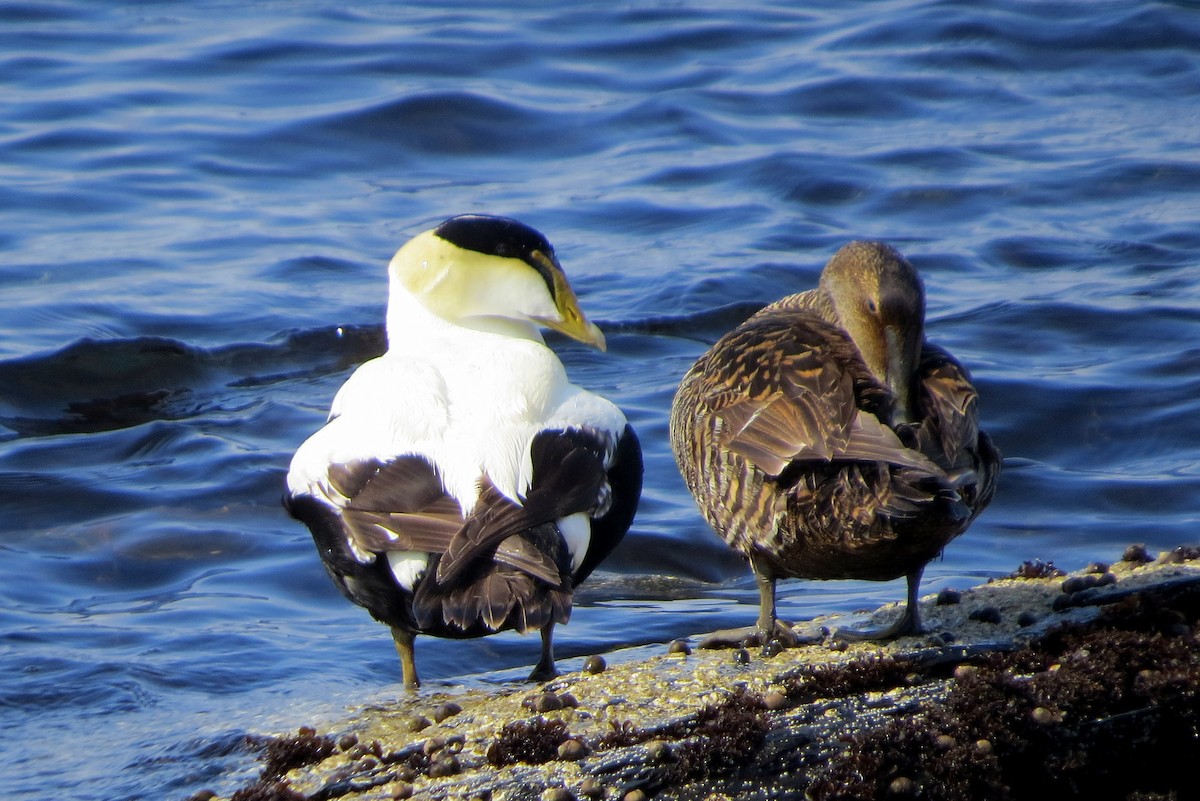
<point>492,274</point>
<point>879,300</point>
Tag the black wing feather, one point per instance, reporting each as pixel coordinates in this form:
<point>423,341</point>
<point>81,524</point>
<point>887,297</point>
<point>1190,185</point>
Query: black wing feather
<point>568,478</point>
<point>505,565</point>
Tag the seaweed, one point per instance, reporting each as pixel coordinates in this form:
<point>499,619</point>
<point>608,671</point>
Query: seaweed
<point>811,683</point>
<point>279,755</point>
<point>1036,569</point>
<point>1082,712</point>
<point>268,790</point>
<point>723,738</point>
<point>285,753</point>
<point>532,741</point>
<point>719,740</point>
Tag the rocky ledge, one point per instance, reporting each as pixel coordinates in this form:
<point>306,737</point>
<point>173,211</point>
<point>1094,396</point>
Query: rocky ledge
<point>1036,685</point>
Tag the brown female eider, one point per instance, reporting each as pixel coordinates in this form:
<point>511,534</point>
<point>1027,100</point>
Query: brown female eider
<point>824,438</point>
<point>462,484</point>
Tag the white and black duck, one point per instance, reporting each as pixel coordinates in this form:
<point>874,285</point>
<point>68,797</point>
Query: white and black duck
<point>462,484</point>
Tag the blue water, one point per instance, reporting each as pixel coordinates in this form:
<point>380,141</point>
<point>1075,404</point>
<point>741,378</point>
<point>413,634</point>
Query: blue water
<point>198,201</point>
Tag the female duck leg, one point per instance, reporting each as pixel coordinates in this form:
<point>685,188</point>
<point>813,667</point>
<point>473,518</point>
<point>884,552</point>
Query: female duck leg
<point>908,623</point>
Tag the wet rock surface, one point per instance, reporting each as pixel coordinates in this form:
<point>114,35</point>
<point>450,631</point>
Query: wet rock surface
<point>1033,685</point>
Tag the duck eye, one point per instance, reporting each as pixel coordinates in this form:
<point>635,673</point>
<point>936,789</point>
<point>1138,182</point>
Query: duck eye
<point>871,306</point>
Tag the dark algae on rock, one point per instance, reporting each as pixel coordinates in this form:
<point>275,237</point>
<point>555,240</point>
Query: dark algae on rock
<point>1099,710</point>
<point>717,741</point>
<point>531,741</point>
<point>280,755</point>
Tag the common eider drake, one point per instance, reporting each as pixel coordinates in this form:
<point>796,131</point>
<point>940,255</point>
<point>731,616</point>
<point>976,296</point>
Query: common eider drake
<point>462,484</point>
<point>825,438</point>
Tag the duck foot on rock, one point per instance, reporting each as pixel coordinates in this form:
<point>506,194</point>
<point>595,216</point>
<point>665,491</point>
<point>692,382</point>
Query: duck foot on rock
<point>749,636</point>
<point>908,624</point>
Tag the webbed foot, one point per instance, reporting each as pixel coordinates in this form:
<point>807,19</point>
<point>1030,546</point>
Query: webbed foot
<point>908,624</point>
<point>749,636</point>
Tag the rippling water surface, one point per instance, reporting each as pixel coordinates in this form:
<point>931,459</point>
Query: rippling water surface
<point>198,201</point>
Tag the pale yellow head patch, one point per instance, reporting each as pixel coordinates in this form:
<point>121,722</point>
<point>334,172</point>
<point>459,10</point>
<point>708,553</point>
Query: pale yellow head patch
<point>470,288</point>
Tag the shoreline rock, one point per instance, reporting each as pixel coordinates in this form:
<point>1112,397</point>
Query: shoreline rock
<point>738,724</point>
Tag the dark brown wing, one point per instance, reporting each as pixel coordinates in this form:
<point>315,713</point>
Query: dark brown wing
<point>395,505</point>
<point>507,564</point>
<point>948,432</point>
<point>473,585</point>
<point>788,387</point>
<point>400,505</point>
<point>489,595</point>
<point>783,395</point>
<point>569,477</point>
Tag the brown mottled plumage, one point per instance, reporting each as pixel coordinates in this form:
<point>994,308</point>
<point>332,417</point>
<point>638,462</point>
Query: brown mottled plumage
<point>824,438</point>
